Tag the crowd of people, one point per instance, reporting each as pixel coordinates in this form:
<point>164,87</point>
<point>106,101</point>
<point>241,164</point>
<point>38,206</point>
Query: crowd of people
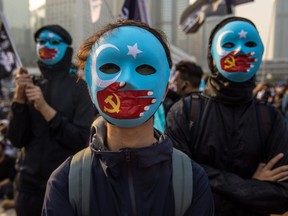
<point>225,142</point>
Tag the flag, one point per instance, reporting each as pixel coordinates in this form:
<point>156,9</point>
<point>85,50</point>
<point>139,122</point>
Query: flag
<point>95,10</point>
<point>194,15</point>
<point>9,59</point>
<point>135,10</point>
<point>237,2</point>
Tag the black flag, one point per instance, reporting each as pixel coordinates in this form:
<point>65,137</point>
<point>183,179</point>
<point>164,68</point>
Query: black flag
<point>194,15</point>
<point>135,10</point>
<point>9,59</point>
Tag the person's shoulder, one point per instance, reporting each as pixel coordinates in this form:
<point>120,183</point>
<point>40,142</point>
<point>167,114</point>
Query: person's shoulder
<point>267,107</point>
<point>178,105</point>
<point>74,77</point>
<point>200,178</point>
<point>61,173</point>
<point>197,169</point>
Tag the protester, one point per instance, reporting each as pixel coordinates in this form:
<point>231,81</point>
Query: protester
<point>127,66</point>
<point>51,117</point>
<point>187,78</point>
<point>285,105</point>
<point>242,143</point>
<point>7,173</point>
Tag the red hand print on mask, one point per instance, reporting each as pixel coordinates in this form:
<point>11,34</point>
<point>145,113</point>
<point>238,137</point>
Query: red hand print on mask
<point>237,63</point>
<point>123,104</point>
<point>46,53</point>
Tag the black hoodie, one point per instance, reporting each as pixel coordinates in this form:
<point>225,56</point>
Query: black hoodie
<point>227,138</point>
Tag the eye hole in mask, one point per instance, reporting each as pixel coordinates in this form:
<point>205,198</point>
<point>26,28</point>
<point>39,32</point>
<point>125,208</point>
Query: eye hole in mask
<point>109,68</point>
<point>250,44</point>
<point>145,69</point>
<point>228,45</point>
<point>51,41</point>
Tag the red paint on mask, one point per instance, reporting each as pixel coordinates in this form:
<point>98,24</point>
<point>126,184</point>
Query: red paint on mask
<point>237,63</point>
<point>46,53</point>
<point>123,104</point>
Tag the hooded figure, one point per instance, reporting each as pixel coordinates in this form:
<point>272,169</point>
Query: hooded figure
<point>51,117</point>
<point>229,132</point>
<point>126,66</point>
<point>53,50</point>
<point>234,55</point>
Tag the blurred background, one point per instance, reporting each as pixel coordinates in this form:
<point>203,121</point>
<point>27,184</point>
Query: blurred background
<point>270,16</point>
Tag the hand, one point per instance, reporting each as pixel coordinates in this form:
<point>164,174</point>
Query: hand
<point>35,96</point>
<point>265,172</point>
<point>22,79</point>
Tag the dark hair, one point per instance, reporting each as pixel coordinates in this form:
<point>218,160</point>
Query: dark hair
<point>86,46</point>
<point>190,71</point>
<point>215,30</point>
<point>63,33</point>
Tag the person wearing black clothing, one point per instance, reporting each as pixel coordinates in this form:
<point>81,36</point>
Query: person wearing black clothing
<point>51,117</point>
<point>7,173</point>
<point>127,66</point>
<point>242,143</point>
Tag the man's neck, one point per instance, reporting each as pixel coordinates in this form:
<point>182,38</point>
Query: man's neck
<point>136,137</point>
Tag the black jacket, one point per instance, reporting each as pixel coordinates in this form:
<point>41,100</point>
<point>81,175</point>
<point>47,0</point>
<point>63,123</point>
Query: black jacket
<point>138,182</point>
<point>47,144</point>
<point>227,138</point>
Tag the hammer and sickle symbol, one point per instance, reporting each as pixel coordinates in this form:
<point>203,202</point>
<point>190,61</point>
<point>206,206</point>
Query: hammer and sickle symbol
<point>41,52</point>
<point>115,106</point>
<point>229,62</point>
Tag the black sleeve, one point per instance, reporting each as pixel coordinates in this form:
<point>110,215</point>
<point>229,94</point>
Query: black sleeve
<point>12,170</point>
<point>262,197</point>
<point>178,127</point>
<point>73,134</point>
<point>278,138</point>
<point>56,201</point>
<point>19,126</point>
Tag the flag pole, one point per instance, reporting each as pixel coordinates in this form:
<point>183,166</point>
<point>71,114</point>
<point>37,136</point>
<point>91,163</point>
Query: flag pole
<point>5,25</point>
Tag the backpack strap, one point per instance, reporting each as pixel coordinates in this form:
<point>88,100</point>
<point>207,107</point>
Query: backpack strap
<point>79,181</point>
<point>195,104</point>
<point>182,181</point>
<point>192,109</point>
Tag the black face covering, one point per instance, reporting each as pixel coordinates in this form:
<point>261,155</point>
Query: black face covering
<point>59,69</point>
<point>225,91</point>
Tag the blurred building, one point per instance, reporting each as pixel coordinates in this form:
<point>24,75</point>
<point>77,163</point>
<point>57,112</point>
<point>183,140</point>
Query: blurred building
<point>165,15</point>
<point>277,68</point>
<point>75,16</point>
<point>281,30</point>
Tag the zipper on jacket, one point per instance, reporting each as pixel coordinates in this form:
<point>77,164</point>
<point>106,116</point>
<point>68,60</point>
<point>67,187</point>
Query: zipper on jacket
<point>130,182</point>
